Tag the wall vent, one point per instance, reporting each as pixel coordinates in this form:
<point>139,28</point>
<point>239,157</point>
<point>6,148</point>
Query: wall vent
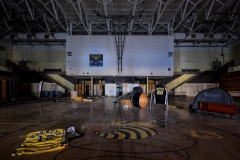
<point>46,36</point>
<point>29,36</point>
<point>193,36</point>
<point>211,35</point>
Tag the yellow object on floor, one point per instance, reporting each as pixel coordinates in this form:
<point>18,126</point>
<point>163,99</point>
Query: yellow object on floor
<point>78,98</point>
<point>42,141</point>
<point>177,107</point>
<point>87,100</point>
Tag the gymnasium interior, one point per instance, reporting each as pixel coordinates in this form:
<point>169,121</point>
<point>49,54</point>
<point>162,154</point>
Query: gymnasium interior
<point>119,79</point>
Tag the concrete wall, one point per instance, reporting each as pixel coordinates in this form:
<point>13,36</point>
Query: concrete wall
<point>40,57</point>
<point>7,52</point>
<point>54,57</point>
<point>192,89</point>
<point>198,57</point>
<point>234,53</point>
<point>142,55</point>
<point>111,89</point>
<point>31,89</point>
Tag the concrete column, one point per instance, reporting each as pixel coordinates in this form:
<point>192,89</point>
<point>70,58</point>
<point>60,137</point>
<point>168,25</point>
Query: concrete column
<point>92,87</point>
<point>147,86</point>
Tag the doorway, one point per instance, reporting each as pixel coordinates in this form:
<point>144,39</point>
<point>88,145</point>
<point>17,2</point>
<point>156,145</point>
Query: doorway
<point>119,89</point>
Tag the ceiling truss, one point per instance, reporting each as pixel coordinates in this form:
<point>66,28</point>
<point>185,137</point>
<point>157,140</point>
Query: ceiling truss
<point>181,18</point>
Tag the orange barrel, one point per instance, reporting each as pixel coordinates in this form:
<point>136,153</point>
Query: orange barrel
<point>139,100</point>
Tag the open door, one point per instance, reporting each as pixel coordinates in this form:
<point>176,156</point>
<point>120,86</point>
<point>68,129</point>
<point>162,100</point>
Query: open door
<point>119,89</point>
<point>88,89</point>
<point>3,89</point>
<point>150,88</point>
<point>99,89</point>
<point>80,89</point>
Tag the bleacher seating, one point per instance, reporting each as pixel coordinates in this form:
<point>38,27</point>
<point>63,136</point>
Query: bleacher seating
<point>231,82</point>
<point>52,70</point>
<point>191,70</point>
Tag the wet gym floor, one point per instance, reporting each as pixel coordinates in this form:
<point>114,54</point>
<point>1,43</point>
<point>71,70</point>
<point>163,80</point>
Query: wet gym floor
<point>176,134</point>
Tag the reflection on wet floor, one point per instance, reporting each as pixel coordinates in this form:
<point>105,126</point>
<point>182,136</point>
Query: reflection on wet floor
<point>112,132</point>
<point>176,107</point>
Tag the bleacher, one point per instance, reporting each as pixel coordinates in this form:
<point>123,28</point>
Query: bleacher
<point>231,83</point>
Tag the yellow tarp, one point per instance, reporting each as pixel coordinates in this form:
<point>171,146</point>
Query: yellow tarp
<point>42,141</point>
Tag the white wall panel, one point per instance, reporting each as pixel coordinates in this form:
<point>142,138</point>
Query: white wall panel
<point>142,56</point>
<point>131,86</point>
<point>110,89</point>
<point>82,46</point>
<point>148,56</point>
<point>192,89</point>
<point>46,57</point>
<point>6,53</point>
<point>33,91</point>
<point>197,57</point>
<point>233,53</point>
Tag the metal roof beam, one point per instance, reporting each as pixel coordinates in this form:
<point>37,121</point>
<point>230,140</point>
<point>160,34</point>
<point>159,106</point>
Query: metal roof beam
<point>184,11</point>
<point>79,13</point>
<point>221,9</point>
<point>206,35</point>
<point>57,40</point>
<point>172,24</point>
<point>18,9</point>
<point>15,6</point>
<point>46,23</point>
<point>29,9</point>
<point>193,23</point>
<point>6,23</point>
<point>234,22</point>
<point>54,9</point>
<point>104,3</point>
<point>5,10</point>
<point>190,30</point>
<point>50,12</point>
<point>65,17</point>
<point>189,12</point>
<point>177,10</point>
<point>133,15</point>
<point>235,8</point>
<point>210,9</point>
<point>160,12</point>
<point>213,17</point>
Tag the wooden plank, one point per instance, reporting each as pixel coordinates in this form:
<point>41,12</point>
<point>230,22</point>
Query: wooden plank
<point>78,98</point>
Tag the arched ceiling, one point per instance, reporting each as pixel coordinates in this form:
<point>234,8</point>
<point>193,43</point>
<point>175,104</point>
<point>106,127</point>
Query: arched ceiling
<point>213,22</point>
